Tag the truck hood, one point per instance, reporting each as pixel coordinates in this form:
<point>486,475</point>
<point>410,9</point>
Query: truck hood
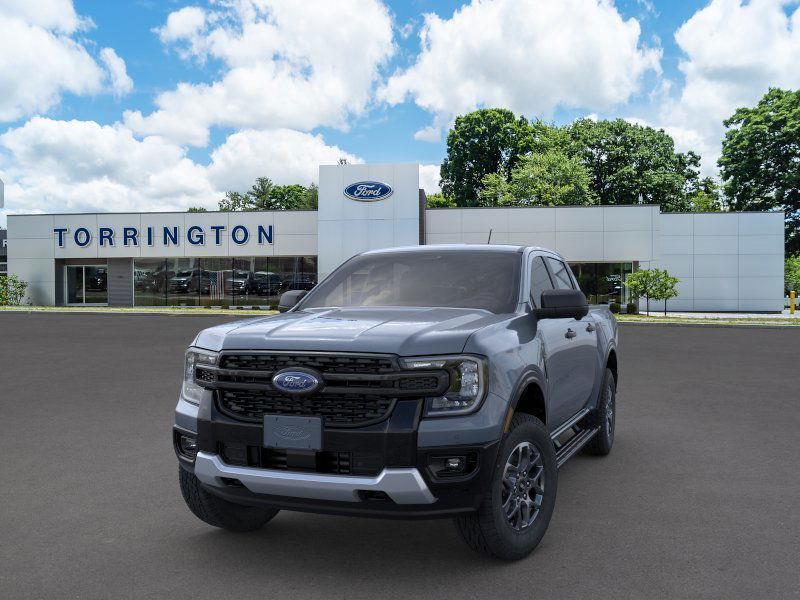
<point>403,331</point>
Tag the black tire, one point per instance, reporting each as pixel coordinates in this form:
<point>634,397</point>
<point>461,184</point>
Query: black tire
<point>218,512</point>
<point>488,531</point>
<point>604,416</point>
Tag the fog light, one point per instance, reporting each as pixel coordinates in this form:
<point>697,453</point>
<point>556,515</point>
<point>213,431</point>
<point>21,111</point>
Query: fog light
<point>187,446</point>
<point>454,464</point>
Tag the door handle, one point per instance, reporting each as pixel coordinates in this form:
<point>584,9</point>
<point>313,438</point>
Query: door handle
<point>590,328</point>
<point>570,334</point>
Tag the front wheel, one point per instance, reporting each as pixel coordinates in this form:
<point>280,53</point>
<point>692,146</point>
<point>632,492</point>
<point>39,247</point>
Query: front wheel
<point>218,512</point>
<point>516,511</point>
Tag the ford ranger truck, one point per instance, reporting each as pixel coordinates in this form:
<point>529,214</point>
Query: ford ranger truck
<point>434,381</point>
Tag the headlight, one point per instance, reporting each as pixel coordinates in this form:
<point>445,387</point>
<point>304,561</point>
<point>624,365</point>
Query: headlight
<point>467,383</point>
<point>191,391</point>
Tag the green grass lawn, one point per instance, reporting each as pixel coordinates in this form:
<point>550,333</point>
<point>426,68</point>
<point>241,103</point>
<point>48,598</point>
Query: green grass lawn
<point>767,320</point>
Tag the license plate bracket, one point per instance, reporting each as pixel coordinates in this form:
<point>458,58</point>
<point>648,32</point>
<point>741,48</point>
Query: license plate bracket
<point>292,433</point>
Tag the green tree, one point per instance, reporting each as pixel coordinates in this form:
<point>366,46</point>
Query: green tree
<point>761,157</point>
<point>627,161</point>
<point>197,209</point>
<point>666,287</point>
<point>312,197</point>
<point>234,201</point>
<point>265,195</point>
<point>495,190</point>
<point>288,197</point>
<point>791,277</point>
<point>485,141</point>
<point>643,284</point>
<point>706,196</point>
<point>548,179</point>
<point>12,290</point>
<point>439,200</point>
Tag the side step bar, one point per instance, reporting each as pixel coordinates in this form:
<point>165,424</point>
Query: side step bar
<point>575,443</point>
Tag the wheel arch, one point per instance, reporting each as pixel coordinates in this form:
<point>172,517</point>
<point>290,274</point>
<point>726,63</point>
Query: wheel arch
<point>529,399</point>
<point>611,363</point>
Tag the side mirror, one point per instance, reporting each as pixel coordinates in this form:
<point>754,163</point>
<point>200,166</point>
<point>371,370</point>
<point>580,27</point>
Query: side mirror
<point>562,304</point>
<point>290,298</point>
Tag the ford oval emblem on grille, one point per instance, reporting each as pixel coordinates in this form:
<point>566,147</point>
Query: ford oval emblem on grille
<point>295,381</point>
<point>368,191</point>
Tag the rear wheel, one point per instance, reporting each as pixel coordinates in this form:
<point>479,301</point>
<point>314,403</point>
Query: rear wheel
<point>218,512</point>
<point>516,511</point>
<point>604,417</point>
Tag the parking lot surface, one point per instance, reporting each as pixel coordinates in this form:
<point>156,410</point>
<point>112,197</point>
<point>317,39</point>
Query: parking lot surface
<point>698,499</point>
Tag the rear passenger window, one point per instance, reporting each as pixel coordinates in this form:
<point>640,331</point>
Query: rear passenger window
<point>561,276</point>
<point>540,279</point>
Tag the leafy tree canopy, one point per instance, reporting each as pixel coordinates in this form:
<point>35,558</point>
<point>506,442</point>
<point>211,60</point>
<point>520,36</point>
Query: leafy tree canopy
<point>550,178</point>
<point>792,274</point>
<point>439,200</point>
<point>486,141</point>
<point>265,195</point>
<point>760,162</point>
<point>627,161</point>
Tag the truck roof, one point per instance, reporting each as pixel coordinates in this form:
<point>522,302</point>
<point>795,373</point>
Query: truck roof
<point>511,248</point>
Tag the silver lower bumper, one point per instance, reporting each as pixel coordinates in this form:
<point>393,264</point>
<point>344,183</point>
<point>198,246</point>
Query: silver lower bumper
<point>404,486</point>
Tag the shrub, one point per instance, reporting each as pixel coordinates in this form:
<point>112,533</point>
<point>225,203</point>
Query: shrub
<point>632,308</point>
<point>614,307</point>
<point>12,290</point>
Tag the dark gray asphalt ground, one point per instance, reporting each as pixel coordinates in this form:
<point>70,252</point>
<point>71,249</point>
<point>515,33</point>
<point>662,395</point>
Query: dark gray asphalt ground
<point>700,497</point>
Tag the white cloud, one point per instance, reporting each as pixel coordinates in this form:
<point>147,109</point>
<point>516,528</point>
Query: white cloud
<point>429,178</point>
<point>184,24</point>
<point>41,58</point>
<point>283,155</point>
<point>734,51</point>
<point>121,83</point>
<point>287,64</point>
<point>81,166</point>
<point>58,15</point>
<point>528,55</point>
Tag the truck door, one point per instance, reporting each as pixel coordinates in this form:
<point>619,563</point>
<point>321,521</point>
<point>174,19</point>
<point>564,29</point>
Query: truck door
<point>570,345</point>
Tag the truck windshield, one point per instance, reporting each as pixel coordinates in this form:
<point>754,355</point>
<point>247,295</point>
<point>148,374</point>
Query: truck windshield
<point>487,280</point>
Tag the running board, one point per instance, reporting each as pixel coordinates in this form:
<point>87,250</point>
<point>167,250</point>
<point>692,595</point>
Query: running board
<point>575,443</point>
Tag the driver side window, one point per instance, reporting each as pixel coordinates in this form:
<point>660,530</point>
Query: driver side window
<point>561,275</point>
<point>540,280</point>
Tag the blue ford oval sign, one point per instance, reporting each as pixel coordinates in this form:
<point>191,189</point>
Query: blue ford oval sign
<point>291,381</point>
<point>368,191</point>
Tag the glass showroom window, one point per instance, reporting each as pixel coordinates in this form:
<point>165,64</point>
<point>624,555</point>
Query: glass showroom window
<point>150,282</point>
<point>603,283</point>
<point>86,284</point>
<point>245,281</point>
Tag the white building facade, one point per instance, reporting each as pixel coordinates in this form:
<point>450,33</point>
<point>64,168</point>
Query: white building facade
<point>725,261</point>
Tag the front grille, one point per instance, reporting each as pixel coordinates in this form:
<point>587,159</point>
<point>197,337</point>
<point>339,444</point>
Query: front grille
<point>324,363</point>
<point>357,389</point>
<point>335,409</point>
<point>336,463</point>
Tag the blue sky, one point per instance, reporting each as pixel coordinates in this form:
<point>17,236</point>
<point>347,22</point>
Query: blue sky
<point>145,104</point>
<point>127,26</point>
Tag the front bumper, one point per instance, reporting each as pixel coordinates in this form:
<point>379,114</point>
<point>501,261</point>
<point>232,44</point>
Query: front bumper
<point>391,472</point>
<point>402,486</point>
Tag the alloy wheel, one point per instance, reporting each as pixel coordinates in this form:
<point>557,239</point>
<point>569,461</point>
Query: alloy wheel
<point>522,488</point>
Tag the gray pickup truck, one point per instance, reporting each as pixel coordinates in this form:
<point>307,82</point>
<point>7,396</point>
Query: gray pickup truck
<point>434,381</point>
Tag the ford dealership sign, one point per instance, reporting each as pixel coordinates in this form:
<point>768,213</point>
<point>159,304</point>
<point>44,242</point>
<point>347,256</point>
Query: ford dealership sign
<point>368,191</point>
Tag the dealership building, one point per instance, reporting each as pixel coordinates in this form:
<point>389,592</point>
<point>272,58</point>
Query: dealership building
<point>724,261</point>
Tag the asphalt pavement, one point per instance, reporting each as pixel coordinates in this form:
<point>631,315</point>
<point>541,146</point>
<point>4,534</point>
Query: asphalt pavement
<point>698,499</point>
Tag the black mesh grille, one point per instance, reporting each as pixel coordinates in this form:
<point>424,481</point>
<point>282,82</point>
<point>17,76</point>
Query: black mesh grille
<point>338,463</point>
<point>420,384</point>
<point>335,409</point>
<point>322,363</point>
